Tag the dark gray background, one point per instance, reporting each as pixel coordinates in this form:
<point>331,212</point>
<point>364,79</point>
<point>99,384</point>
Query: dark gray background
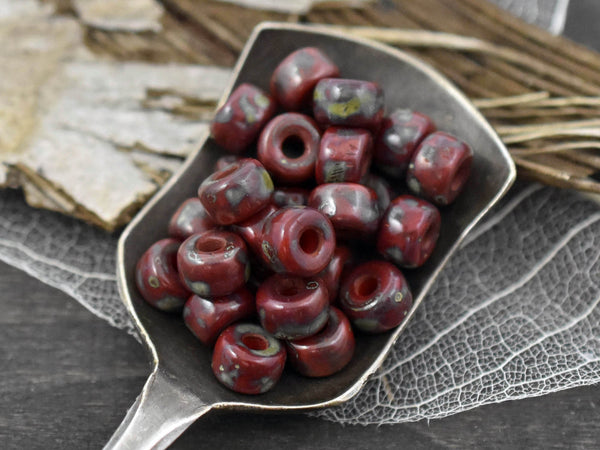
<point>67,379</point>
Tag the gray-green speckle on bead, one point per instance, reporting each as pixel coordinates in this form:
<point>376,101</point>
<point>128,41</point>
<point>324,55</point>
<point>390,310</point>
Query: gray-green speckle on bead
<point>249,110</point>
<point>199,287</point>
<point>312,285</point>
<point>224,115</point>
<point>169,303</point>
<point>261,100</point>
<point>335,171</point>
<point>413,184</point>
<point>395,254</point>
<point>153,281</point>
<point>369,325</point>
<point>234,195</point>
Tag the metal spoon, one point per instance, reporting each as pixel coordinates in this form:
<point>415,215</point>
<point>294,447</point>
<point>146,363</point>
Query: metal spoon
<point>181,387</point>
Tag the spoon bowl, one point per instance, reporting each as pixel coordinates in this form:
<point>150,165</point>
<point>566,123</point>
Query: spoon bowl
<point>182,386</point>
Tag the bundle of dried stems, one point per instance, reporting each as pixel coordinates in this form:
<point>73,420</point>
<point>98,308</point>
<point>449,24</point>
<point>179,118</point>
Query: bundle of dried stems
<point>541,92</point>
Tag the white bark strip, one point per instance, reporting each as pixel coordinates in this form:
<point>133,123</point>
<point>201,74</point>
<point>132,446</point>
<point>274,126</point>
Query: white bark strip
<point>88,137</point>
<point>119,15</point>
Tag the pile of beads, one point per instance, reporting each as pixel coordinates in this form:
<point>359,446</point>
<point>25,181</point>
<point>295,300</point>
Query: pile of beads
<point>267,273</point>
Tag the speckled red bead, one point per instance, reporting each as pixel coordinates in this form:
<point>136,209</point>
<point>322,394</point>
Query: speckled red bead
<point>297,240</point>
<point>295,77</point>
<point>332,273</point>
<point>325,353</point>
<point>247,359</point>
<point>288,147</point>
<point>190,218</point>
<point>381,188</point>
<point>409,231</point>
<point>290,196</point>
<point>375,296</point>
<point>440,168</point>
<point>401,132</point>
<point>213,263</point>
<point>251,229</point>
<point>344,155</point>
<point>352,208</point>
<point>292,307</point>
<point>206,318</point>
<point>348,103</point>
<point>157,278</point>
<point>238,122</point>
<point>237,192</point>
<point>225,161</point>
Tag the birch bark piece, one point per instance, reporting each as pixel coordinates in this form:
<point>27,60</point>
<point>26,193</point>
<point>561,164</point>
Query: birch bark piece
<point>32,44</point>
<point>88,137</point>
<point>89,144</point>
<point>290,6</point>
<point>119,15</point>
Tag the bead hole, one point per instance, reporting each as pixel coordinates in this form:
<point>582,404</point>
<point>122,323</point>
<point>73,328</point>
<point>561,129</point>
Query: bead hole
<point>293,147</point>
<point>287,288</point>
<point>226,171</point>
<point>255,342</point>
<point>310,240</point>
<point>210,245</point>
<point>460,176</point>
<point>365,286</point>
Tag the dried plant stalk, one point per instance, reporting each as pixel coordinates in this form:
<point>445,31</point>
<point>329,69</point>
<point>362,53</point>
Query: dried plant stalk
<point>551,133</point>
<point>515,100</point>
<point>556,148</point>
<point>551,126</point>
<point>556,177</point>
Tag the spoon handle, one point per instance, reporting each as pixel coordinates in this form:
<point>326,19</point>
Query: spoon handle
<point>159,415</point>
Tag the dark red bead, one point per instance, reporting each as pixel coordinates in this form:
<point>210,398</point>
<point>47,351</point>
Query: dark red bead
<point>206,318</point>
<point>440,168</point>
<point>190,218</point>
<point>325,353</point>
<point>344,155</point>
<point>348,103</point>
<point>398,138</point>
<point>237,192</point>
<point>332,273</point>
<point>251,229</point>
<point>292,307</point>
<point>290,196</point>
<point>288,147</point>
<point>381,188</point>
<point>225,161</point>
<point>213,263</point>
<point>375,296</point>
<point>352,208</point>
<point>157,278</point>
<point>295,77</point>
<point>297,240</point>
<point>238,122</point>
<point>409,231</point>
<point>247,359</point>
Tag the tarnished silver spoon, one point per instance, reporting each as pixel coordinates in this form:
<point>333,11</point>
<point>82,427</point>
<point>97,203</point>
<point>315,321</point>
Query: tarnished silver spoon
<point>181,387</point>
